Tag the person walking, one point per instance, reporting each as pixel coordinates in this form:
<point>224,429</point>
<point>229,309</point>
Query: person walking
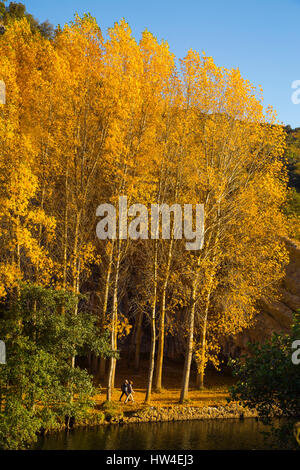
<point>130,392</point>
<point>124,389</point>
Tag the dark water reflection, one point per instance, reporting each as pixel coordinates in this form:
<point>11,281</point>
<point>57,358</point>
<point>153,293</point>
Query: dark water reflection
<point>190,435</point>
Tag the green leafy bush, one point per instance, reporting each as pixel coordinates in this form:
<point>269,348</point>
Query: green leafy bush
<point>269,381</point>
<point>39,388</point>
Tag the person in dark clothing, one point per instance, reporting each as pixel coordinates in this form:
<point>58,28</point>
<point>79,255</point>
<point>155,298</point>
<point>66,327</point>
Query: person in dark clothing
<point>124,389</point>
<point>130,392</point>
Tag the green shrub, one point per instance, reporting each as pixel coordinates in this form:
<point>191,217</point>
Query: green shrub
<point>39,389</point>
<point>268,380</point>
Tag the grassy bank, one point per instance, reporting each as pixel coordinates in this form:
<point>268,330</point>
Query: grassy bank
<point>215,392</point>
<point>210,403</point>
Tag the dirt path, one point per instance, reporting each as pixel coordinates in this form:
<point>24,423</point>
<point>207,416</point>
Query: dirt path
<point>216,390</point>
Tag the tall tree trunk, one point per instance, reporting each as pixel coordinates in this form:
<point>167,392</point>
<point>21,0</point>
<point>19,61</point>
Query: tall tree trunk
<point>115,364</point>
<point>65,237</point>
<point>105,303</point>
<point>37,276</point>
<point>190,344</point>
<point>132,344</point>
<point>112,362</point>
<point>161,337</point>
<point>65,232</point>
<point>153,328</point>
<point>201,368</point>
<point>75,253</point>
<point>203,356</point>
<point>18,255</point>
<point>139,333</point>
<point>76,271</point>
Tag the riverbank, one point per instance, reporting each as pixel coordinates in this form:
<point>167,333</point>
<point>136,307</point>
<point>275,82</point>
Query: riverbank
<point>209,403</point>
<point>182,413</point>
<point>115,414</point>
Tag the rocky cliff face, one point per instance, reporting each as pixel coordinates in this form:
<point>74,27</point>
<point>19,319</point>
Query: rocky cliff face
<point>275,316</point>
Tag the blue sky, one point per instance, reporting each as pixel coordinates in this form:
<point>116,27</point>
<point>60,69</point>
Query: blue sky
<point>261,38</point>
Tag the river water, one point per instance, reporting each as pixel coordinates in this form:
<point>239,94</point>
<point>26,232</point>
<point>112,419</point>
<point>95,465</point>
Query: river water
<point>227,434</point>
